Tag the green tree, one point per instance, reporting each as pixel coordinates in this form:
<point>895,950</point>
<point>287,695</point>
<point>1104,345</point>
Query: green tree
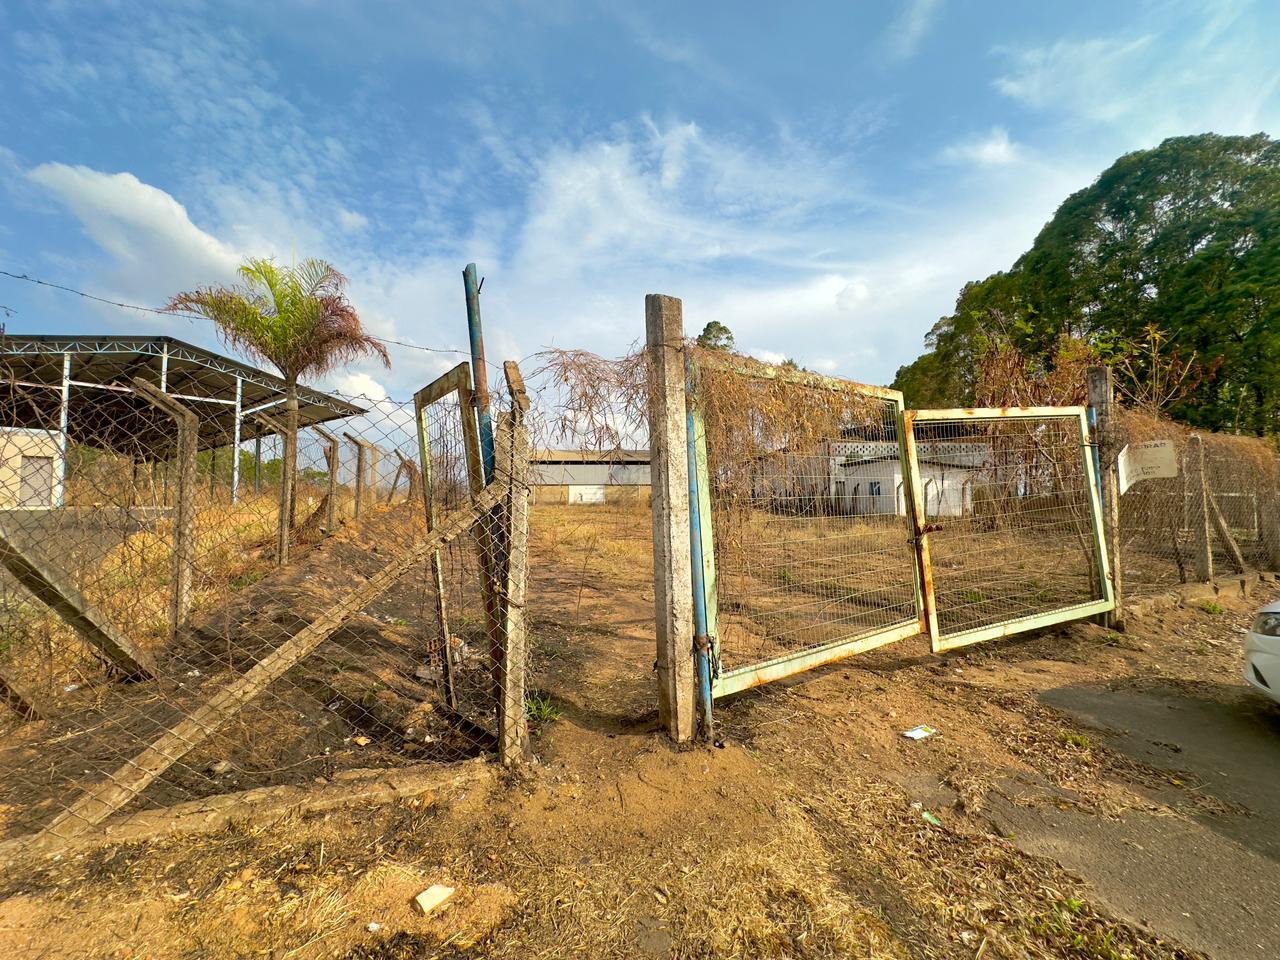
<point>716,336</point>
<point>298,319</point>
<point>1183,239</point>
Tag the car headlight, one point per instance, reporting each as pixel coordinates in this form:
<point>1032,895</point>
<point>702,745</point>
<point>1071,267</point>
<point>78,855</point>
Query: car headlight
<point>1267,624</point>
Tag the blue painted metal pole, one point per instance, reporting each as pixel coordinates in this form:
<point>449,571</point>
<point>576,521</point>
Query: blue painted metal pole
<point>479,370</point>
<point>701,640</point>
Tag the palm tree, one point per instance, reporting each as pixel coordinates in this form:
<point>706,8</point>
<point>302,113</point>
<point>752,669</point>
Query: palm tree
<point>296,318</point>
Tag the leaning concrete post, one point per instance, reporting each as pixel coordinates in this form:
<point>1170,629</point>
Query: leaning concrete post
<point>1200,511</point>
<point>362,467</point>
<point>672,570</point>
<point>183,498</point>
<point>332,461</point>
<point>1102,403</point>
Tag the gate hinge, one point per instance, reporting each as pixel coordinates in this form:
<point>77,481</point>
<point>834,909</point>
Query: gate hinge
<point>703,643</point>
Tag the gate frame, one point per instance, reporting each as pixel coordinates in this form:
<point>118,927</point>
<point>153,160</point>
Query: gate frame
<point>788,664</point>
<point>1005,628</point>
<point>502,577</point>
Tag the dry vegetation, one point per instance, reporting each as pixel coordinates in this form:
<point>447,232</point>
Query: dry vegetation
<point>805,836</point>
<point>814,830</point>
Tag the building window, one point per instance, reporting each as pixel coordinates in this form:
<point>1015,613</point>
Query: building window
<point>873,488</point>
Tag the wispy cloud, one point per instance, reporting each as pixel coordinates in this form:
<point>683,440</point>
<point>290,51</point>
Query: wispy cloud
<point>992,149</point>
<point>908,29</point>
<point>1081,77</point>
<point>1212,67</point>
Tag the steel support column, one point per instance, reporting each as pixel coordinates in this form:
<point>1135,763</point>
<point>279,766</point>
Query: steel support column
<point>59,495</point>
<point>235,445</point>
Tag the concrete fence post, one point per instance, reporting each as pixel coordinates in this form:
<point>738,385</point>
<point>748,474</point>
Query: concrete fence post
<point>672,569</point>
<point>184,461</point>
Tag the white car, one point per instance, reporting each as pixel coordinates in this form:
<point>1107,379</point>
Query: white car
<point>1262,652</point>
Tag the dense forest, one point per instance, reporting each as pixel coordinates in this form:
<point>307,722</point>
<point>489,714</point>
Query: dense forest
<point>1167,266</point>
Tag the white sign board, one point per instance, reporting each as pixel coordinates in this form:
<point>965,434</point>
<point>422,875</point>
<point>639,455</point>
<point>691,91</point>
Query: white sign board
<point>1144,461</point>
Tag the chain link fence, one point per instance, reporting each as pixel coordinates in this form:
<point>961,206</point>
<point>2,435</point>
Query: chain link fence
<point>154,650</point>
<point>1220,514</point>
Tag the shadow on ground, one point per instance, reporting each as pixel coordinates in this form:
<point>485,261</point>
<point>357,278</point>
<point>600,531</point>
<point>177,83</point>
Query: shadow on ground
<point>1207,871</point>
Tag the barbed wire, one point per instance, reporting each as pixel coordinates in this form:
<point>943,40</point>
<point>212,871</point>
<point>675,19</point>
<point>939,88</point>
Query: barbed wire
<point>195,316</point>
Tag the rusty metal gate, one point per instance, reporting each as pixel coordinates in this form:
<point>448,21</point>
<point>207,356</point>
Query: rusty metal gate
<point>827,520</point>
<point>1008,520</point>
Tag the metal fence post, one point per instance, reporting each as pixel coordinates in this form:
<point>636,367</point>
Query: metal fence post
<point>1101,413</point>
<point>916,507</point>
<point>1200,512</point>
<point>479,373</point>
<point>701,559</point>
<point>672,570</point>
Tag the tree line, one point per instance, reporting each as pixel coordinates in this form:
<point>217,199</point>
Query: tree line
<point>1167,266</point>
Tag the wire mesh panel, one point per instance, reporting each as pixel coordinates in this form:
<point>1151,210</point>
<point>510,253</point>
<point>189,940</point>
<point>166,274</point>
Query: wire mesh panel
<point>1010,520</point>
<point>1219,514</point>
<point>809,506</point>
<point>1157,515</point>
<point>154,649</point>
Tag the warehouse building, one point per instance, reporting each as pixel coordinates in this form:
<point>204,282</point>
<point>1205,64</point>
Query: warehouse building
<point>590,476</point>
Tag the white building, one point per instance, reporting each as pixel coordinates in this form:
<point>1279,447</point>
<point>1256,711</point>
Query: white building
<point>30,468</point>
<point>864,477</point>
<point>589,476</point>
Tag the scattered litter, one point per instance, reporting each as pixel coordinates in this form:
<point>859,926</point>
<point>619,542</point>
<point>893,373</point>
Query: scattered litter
<point>374,927</point>
<point>432,897</point>
<point>361,741</point>
<point>931,819</point>
<point>71,688</point>
<point>920,732</point>
<point>219,767</point>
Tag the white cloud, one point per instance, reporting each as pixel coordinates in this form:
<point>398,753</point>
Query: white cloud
<point>768,356</point>
<point>607,221</point>
<point>360,385</point>
<point>47,65</point>
<point>1212,67</point>
<point>1080,77</point>
<point>908,29</point>
<point>351,221</point>
<point>855,292</point>
<point>992,149</point>
<point>148,234</point>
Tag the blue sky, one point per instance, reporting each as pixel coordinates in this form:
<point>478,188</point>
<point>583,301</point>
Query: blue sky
<point>822,177</point>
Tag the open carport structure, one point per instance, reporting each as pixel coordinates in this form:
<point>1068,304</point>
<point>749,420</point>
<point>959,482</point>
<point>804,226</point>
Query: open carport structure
<point>78,390</point>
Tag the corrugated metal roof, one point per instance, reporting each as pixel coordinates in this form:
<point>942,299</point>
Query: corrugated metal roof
<point>30,365</point>
<point>591,456</point>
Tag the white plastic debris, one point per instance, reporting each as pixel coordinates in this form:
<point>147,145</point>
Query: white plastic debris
<point>920,732</point>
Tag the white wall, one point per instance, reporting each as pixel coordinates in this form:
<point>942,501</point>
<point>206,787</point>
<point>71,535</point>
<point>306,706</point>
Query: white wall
<point>589,474</point>
<point>947,489</point>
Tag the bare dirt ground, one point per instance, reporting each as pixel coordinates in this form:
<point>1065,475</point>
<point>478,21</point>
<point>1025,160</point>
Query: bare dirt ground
<point>1090,794</point>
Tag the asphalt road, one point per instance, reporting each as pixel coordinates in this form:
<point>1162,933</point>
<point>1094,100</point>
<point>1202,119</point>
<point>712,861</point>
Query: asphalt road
<point>1210,875</point>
